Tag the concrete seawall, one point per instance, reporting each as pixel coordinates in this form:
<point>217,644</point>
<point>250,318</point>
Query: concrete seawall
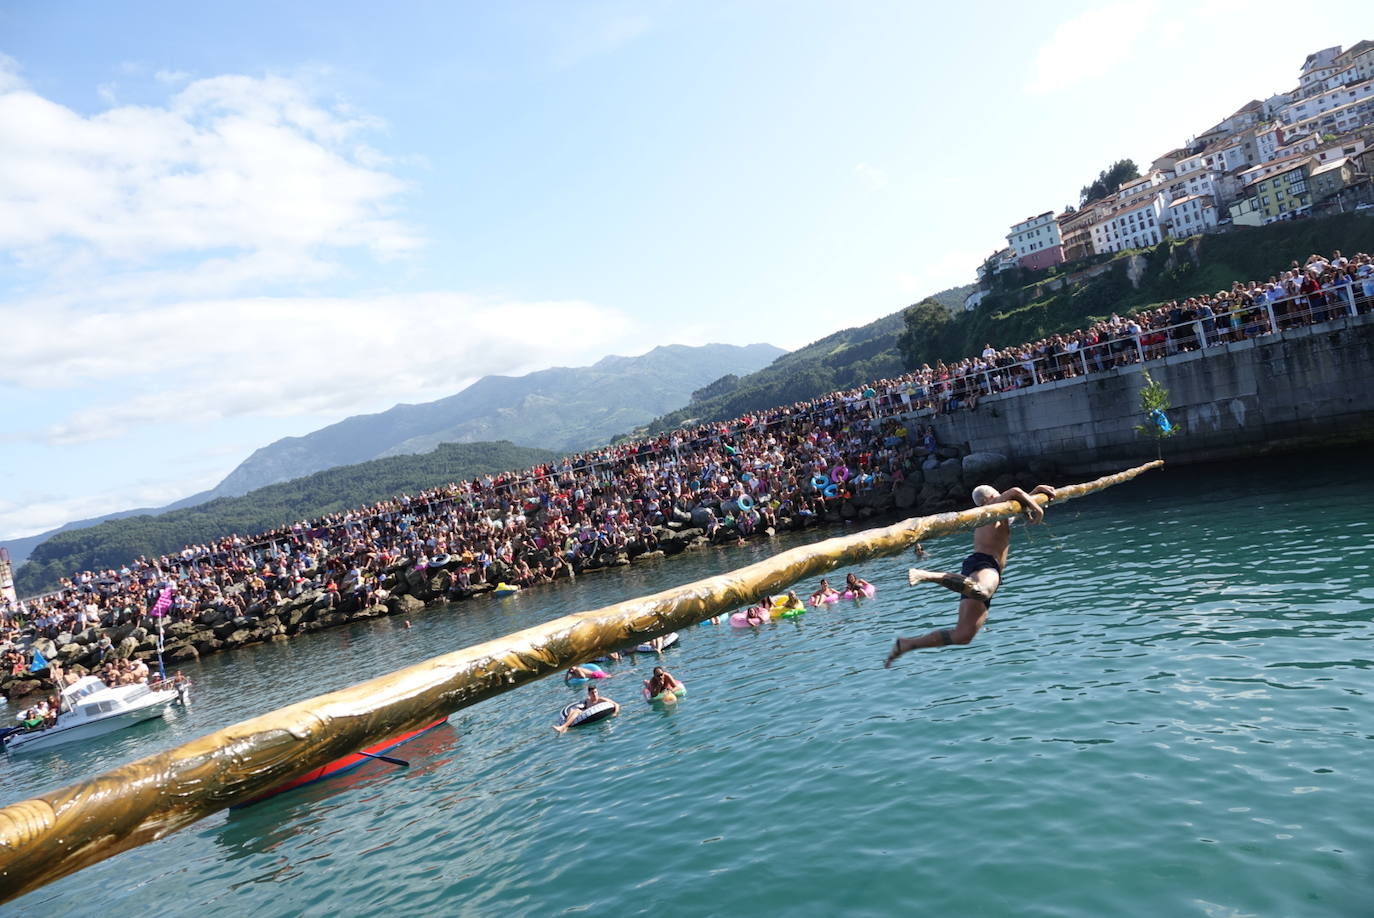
<point>1304,388</point>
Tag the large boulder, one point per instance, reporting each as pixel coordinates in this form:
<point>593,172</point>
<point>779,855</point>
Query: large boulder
<point>206,644</point>
<point>948,472</point>
<point>904,497</point>
<point>406,605</point>
<point>179,630</point>
<point>180,652</point>
<point>212,617</point>
<point>983,466</point>
<point>22,688</point>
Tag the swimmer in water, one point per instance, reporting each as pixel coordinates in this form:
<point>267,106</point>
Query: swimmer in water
<point>592,699</point>
<point>662,683</point>
<point>823,593</point>
<point>981,574</point>
<point>854,584</point>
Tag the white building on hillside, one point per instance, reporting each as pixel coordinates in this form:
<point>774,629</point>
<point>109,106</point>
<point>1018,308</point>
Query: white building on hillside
<point>1328,100</point>
<point>1134,224</point>
<point>1190,216</point>
<point>1037,242</point>
<point>1354,64</point>
<point>1319,67</point>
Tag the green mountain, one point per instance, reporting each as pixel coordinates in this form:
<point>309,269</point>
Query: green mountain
<point>564,409</point>
<point>115,542</point>
<point>839,361</point>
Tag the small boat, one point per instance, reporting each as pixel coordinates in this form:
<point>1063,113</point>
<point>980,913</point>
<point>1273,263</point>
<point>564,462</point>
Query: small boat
<point>343,763</point>
<point>90,708</point>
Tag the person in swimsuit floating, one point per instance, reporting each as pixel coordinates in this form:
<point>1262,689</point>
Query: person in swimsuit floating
<point>980,575</point>
<point>593,698</point>
<point>825,591</point>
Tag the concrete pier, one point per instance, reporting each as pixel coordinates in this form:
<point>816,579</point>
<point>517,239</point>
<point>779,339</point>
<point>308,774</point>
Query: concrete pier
<point>1303,388</point>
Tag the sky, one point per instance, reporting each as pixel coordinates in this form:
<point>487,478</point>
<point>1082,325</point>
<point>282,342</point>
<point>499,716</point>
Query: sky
<point>222,224</point>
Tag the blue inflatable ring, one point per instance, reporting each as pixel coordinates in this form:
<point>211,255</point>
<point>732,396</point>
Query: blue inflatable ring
<point>745,503</point>
<point>820,481</point>
<point>831,490</point>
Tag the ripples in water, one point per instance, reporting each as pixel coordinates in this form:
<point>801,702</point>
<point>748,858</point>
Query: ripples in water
<point>1165,716</point>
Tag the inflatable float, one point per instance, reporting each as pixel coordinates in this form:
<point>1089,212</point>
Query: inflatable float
<point>505,589</point>
<point>679,692</point>
<point>669,640</point>
<point>866,592</point>
<point>741,619</point>
<point>590,714</point>
<point>596,673</point>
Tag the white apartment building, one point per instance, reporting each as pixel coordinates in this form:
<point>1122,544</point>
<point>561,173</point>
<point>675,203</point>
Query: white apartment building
<point>1326,101</point>
<point>1354,64</point>
<point>1133,225</point>
<point>1190,216</point>
<point>1319,67</point>
<point>1036,241</point>
<point>1196,183</point>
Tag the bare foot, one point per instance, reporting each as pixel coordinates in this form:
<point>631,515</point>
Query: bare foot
<point>915,576</point>
<point>897,651</point>
<point>559,728</point>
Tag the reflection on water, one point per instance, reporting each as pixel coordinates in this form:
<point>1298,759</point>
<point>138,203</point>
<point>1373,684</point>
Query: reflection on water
<point>1167,703</point>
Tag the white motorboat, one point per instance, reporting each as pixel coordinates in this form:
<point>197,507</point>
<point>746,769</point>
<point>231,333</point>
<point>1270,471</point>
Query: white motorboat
<point>91,708</point>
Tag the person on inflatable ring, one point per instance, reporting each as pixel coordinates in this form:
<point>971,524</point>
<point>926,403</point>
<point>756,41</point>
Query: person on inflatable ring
<point>823,593</point>
<point>854,584</point>
<point>662,683</point>
<point>593,698</point>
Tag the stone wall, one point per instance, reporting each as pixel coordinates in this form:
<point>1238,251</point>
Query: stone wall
<point>1304,388</point>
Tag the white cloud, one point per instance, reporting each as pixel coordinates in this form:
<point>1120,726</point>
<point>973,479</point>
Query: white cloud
<point>19,519</point>
<point>871,176</point>
<point>1091,45</point>
<point>169,260</point>
<point>202,360</point>
<point>232,162</point>
<point>171,76</point>
<point>952,268</point>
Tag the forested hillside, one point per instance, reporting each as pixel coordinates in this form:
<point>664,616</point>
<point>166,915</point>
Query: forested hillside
<point>114,542</point>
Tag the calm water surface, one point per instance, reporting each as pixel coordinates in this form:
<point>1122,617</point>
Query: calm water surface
<point>1168,714</point>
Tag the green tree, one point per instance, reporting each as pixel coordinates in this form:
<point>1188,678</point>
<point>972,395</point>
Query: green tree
<point>1108,180</point>
<point>1154,404</point>
<point>925,333</point>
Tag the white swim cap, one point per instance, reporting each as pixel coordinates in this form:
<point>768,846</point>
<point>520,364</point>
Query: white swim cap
<point>982,494</point>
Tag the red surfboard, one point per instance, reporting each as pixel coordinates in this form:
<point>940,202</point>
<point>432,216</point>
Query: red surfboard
<point>342,764</point>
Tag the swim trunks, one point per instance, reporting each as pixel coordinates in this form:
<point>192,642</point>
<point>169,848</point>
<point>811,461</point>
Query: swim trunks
<point>979,561</point>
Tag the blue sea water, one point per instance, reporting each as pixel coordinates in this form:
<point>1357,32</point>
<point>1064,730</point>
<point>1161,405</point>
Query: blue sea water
<point>1167,715</point>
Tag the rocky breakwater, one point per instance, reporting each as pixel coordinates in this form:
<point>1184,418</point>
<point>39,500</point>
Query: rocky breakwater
<point>937,483</point>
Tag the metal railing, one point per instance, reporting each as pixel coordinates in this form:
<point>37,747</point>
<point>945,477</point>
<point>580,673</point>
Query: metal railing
<point>1257,320</point>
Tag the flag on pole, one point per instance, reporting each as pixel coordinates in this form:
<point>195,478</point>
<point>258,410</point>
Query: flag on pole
<point>164,602</point>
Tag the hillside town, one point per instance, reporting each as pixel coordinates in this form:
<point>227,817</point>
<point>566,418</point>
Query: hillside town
<point>1307,151</point>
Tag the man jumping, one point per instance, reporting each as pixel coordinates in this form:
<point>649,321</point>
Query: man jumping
<point>980,576</point>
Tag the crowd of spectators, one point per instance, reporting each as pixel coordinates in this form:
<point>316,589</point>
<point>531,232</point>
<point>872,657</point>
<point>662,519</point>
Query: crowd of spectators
<point>1319,289</point>
<point>730,479</point>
